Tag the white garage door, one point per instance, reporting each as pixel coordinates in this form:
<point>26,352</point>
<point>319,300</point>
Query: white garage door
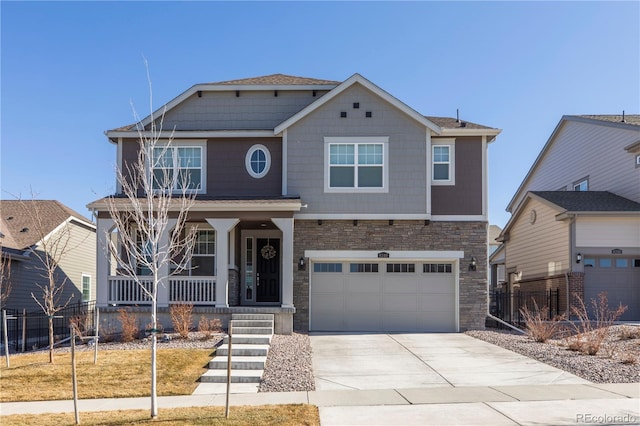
<point>383,296</point>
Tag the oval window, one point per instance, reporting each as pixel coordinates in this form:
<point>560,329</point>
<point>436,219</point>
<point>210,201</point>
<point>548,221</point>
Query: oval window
<point>258,161</point>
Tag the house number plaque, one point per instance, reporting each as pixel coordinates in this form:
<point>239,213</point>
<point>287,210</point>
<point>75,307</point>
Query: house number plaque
<point>383,254</point>
<point>616,251</point>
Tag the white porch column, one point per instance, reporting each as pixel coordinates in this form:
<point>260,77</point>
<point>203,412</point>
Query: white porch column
<point>286,226</point>
<point>103,230</point>
<point>222,227</point>
<point>163,285</point>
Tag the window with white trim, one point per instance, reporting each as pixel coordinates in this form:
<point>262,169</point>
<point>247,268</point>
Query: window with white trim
<point>178,168</point>
<point>258,161</point>
<point>86,287</point>
<point>442,162</point>
<point>356,164</point>
<point>581,185</point>
<point>203,259</point>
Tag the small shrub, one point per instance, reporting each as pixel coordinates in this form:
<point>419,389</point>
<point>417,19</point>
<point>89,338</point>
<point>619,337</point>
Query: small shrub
<point>181,318</point>
<point>629,332</point>
<point>209,326</point>
<point>129,325</point>
<point>628,358</point>
<point>539,328</point>
<point>590,333</point>
<point>608,350</point>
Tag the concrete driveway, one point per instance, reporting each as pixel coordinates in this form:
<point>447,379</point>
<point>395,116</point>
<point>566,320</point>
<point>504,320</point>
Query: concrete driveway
<point>396,361</point>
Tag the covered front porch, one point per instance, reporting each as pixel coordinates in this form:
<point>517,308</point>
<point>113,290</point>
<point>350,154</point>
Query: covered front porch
<point>242,263</point>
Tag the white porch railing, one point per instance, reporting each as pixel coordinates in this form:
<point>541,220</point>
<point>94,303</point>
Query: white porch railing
<point>196,290</point>
<point>126,290</point>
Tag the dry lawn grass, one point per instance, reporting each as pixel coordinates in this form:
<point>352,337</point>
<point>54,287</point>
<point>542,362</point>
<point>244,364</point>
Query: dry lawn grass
<point>118,374</point>
<point>285,415</point>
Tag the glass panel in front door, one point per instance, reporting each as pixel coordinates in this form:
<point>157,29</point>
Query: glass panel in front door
<point>248,268</point>
<point>267,270</point>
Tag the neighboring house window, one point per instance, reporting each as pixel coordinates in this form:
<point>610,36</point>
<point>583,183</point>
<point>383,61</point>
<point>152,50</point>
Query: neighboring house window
<point>581,185</point>
<point>356,164</point>
<point>86,287</point>
<point>178,167</point>
<point>258,161</point>
<point>203,259</point>
<point>442,162</point>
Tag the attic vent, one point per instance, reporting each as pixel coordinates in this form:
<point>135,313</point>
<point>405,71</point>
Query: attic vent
<point>10,218</point>
<point>463,124</point>
<point>24,230</point>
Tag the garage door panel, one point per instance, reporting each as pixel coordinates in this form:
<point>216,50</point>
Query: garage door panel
<point>436,302</point>
<point>327,321</point>
<point>400,302</point>
<point>363,302</point>
<point>363,321</point>
<point>329,301</point>
<point>400,285</point>
<point>400,321</point>
<point>362,284</point>
<point>435,284</point>
<point>328,284</point>
<point>621,284</point>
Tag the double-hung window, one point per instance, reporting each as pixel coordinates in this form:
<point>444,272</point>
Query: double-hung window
<point>356,164</point>
<point>203,259</point>
<point>178,167</point>
<point>443,165</point>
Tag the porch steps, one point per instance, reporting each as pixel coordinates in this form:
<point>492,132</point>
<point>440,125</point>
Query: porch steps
<point>250,346</point>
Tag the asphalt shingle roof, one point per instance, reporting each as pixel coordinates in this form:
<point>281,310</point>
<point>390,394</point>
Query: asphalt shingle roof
<point>632,119</point>
<point>278,79</point>
<point>24,222</point>
<point>452,123</point>
<point>589,201</point>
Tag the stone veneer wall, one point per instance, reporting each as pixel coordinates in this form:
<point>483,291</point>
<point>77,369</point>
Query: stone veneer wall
<point>234,287</point>
<point>379,235</point>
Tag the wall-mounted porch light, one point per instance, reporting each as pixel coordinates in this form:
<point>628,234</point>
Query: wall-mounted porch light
<point>473,265</point>
<point>578,258</point>
<point>301,264</point>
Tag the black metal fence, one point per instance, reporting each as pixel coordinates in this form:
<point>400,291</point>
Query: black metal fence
<point>507,305</point>
<point>30,330</point>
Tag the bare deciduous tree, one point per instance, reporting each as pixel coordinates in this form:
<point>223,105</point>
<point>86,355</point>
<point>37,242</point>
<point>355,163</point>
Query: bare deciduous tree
<point>51,249</point>
<point>150,217</point>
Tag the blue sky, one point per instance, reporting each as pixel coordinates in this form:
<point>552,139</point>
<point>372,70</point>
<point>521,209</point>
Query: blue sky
<point>70,69</point>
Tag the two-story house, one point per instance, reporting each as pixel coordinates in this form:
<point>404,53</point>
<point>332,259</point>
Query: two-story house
<point>33,229</point>
<point>333,205</point>
<point>575,223</point>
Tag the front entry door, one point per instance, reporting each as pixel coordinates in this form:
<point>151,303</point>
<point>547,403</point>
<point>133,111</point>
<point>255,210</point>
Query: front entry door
<point>267,270</point>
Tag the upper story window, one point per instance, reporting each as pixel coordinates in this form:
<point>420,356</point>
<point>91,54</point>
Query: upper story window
<point>179,167</point>
<point>581,185</point>
<point>258,161</point>
<point>443,164</point>
<point>356,164</point>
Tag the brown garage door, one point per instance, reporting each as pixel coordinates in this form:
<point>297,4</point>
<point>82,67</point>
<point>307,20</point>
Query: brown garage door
<point>619,277</point>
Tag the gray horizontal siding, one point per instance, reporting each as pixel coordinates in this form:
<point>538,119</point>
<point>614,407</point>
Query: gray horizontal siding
<point>596,151</point>
<point>407,156</point>
<point>225,111</point>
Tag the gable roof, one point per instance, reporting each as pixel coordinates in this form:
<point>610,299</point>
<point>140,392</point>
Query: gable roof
<point>632,121</point>
<point>19,222</point>
<point>588,201</point>
<point>283,79</point>
<point>357,78</point>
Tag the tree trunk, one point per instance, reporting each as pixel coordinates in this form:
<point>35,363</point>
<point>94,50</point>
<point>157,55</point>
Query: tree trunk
<point>154,347</point>
<point>51,339</point>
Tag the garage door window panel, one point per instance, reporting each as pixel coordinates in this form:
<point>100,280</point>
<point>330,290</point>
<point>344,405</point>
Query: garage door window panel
<point>327,267</point>
<point>363,267</point>
<point>437,268</point>
<point>401,267</point>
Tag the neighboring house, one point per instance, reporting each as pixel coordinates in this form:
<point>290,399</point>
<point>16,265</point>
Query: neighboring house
<point>575,223</point>
<point>24,225</point>
<point>333,205</point>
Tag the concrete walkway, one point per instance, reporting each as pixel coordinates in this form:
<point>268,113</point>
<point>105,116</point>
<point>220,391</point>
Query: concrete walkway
<point>570,404</point>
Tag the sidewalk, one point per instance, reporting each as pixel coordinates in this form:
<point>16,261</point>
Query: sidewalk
<point>564,404</point>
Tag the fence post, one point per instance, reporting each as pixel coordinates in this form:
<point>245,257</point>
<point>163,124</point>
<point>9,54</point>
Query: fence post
<point>5,336</point>
<point>97,334</point>
<point>24,330</point>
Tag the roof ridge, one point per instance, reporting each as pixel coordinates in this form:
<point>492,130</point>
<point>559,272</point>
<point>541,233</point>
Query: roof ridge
<point>277,79</point>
